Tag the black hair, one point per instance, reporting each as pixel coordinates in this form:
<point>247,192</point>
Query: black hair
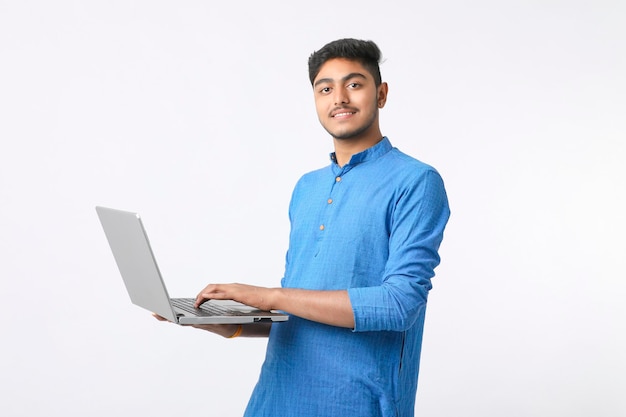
<point>364,52</point>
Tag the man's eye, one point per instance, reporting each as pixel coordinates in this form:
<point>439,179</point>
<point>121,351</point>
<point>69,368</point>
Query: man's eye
<point>325,90</point>
<point>353,85</point>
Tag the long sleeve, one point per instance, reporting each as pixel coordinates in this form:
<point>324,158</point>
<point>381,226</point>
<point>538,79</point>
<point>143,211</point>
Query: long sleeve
<point>417,225</point>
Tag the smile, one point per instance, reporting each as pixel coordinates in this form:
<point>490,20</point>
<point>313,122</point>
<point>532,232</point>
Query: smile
<point>344,114</point>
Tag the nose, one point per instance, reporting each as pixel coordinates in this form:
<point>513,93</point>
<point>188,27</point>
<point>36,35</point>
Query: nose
<point>341,96</point>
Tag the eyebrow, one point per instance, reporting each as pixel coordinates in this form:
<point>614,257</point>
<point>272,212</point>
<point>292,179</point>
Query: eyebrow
<point>343,79</point>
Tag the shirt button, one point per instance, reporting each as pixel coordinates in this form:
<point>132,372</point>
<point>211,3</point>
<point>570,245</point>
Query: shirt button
<point>330,200</point>
<point>338,179</point>
<point>322,227</point>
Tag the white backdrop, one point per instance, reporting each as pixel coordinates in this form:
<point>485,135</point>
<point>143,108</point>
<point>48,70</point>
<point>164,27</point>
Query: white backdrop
<point>199,115</point>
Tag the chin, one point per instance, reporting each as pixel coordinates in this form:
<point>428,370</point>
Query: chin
<point>349,135</point>
<point>346,138</point>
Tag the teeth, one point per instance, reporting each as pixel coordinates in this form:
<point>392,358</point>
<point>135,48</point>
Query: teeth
<point>342,114</point>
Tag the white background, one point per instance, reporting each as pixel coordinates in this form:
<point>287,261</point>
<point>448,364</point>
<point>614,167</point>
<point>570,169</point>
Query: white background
<point>199,115</point>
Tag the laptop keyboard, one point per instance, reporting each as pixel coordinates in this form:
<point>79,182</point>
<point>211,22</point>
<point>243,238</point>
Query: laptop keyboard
<point>206,309</point>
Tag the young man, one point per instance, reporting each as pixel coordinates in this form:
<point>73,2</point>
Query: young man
<point>365,233</point>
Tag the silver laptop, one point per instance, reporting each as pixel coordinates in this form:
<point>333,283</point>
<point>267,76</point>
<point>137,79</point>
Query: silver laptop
<point>137,264</point>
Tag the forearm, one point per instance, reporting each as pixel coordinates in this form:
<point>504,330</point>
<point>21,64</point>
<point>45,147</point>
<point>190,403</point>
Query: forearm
<point>328,307</point>
<point>256,330</point>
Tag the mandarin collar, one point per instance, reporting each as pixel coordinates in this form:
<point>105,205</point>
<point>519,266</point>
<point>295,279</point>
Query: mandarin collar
<point>369,154</point>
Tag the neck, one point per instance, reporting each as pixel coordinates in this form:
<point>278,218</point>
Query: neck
<point>345,148</point>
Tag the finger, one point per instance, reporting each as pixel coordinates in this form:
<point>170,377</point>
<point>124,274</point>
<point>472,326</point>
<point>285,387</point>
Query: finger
<point>201,298</point>
<point>159,318</point>
<point>216,295</point>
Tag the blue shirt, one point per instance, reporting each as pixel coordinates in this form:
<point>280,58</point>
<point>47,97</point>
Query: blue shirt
<point>372,227</point>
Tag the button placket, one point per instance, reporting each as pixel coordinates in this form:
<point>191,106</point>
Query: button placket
<point>330,201</point>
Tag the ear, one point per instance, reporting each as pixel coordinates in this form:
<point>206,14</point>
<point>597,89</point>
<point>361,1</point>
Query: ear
<point>381,98</point>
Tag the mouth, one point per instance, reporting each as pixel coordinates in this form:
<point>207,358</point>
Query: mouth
<point>342,113</point>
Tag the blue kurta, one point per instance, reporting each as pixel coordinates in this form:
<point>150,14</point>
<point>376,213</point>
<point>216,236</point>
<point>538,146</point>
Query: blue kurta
<point>372,227</point>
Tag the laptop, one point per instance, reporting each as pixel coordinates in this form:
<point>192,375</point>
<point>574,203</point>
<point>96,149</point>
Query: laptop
<point>134,257</point>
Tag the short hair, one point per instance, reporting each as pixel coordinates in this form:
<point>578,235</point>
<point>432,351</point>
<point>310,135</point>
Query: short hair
<point>365,52</point>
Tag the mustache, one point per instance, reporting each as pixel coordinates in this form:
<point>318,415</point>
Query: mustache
<point>340,109</point>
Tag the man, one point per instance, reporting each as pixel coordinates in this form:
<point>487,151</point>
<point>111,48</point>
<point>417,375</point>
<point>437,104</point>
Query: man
<point>365,233</point>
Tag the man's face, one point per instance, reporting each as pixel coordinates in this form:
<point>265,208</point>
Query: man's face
<point>347,99</point>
